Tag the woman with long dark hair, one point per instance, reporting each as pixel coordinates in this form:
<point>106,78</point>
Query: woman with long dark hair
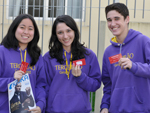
<point>20,45</point>
<point>69,84</point>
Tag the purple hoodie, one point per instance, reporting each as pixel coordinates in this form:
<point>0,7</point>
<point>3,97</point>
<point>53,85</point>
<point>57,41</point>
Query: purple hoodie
<point>71,95</point>
<point>10,60</point>
<point>127,91</point>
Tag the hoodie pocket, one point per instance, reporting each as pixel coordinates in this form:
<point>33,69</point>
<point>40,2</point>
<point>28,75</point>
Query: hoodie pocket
<point>68,103</point>
<point>125,100</point>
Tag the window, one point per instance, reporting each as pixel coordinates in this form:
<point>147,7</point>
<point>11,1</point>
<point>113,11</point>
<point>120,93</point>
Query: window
<point>116,1</point>
<point>52,8</point>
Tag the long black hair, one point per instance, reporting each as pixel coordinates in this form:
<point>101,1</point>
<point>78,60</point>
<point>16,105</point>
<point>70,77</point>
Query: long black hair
<point>55,47</point>
<point>10,40</point>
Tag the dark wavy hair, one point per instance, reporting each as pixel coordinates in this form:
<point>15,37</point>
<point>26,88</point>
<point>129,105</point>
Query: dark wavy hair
<point>10,40</point>
<point>119,7</point>
<point>55,47</point>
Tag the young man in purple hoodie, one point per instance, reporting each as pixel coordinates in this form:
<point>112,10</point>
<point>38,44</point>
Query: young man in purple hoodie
<point>126,69</point>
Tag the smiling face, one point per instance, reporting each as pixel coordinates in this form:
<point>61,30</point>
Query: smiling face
<point>65,35</point>
<point>117,24</point>
<point>24,33</point>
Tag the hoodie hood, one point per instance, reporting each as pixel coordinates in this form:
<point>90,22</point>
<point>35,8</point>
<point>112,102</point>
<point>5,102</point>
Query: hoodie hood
<point>131,35</point>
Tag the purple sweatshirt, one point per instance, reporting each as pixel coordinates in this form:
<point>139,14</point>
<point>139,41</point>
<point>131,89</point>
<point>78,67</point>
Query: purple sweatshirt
<point>10,60</point>
<point>71,95</point>
<point>127,91</point>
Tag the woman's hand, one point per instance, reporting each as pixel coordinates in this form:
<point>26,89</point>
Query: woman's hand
<point>76,71</point>
<point>18,74</point>
<point>104,110</point>
<point>36,110</point>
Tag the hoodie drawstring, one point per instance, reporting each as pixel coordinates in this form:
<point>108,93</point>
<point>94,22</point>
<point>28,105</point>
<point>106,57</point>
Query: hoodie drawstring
<point>120,48</point>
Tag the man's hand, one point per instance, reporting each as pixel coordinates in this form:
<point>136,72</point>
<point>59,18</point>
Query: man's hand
<point>28,90</point>
<point>26,103</point>
<point>125,63</point>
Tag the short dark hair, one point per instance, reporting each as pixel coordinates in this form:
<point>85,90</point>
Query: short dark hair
<point>55,47</point>
<point>119,7</point>
<point>10,40</point>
